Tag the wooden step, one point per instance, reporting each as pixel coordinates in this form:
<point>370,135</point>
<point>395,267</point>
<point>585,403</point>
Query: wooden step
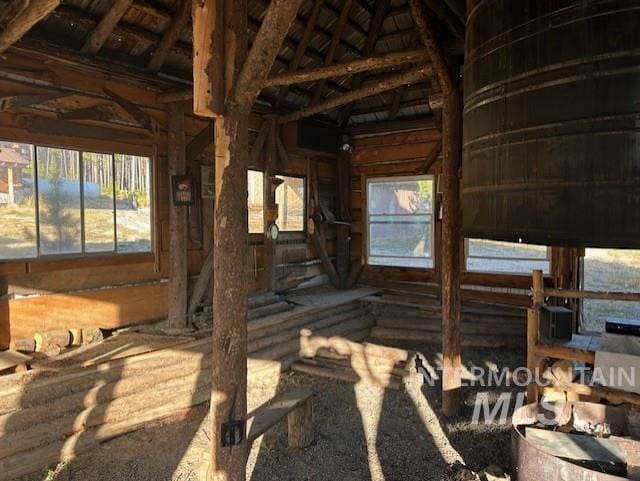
<point>489,341</point>
<point>269,309</point>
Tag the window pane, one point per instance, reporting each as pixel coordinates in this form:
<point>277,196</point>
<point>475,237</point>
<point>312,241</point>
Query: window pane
<point>505,257</point>
<point>610,270</point>
<point>59,200</point>
<point>17,202</point>
<point>290,200</point>
<point>400,222</point>
<point>99,235</point>
<point>256,201</point>
<point>401,196</point>
<point>133,203</point>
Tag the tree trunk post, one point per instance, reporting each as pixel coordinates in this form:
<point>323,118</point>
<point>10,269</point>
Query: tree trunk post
<point>451,241</point>
<point>177,222</point>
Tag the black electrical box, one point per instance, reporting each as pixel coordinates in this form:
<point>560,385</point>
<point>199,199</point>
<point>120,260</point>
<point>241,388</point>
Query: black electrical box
<point>556,323</point>
<point>629,327</point>
<point>323,138</point>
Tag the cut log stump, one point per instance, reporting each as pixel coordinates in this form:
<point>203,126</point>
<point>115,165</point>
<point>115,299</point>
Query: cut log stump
<point>300,424</point>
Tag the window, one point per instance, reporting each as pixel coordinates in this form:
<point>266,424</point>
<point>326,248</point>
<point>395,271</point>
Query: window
<point>56,201</point>
<point>609,270</point>
<point>400,221</point>
<point>505,257</point>
<point>291,204</point>
<point>256,201</point>
<point>17,201</point>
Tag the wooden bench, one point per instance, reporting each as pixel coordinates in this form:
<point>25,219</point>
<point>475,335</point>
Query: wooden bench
<point>296,405</point>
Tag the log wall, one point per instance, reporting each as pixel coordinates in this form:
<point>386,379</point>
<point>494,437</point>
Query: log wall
<point>108,290</point>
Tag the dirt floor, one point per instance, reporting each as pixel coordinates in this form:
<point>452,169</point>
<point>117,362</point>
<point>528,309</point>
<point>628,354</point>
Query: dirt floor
<point>362,433</point>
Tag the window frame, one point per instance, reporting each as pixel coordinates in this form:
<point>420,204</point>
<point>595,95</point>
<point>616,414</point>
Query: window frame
<point>545,272</point>
<point>433,218</point>
<point>83,254</point>
<point>261,233</point>
<point>304,203</point>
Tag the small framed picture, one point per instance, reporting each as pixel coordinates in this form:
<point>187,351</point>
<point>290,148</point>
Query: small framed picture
<point>207,182</point>
<point>183,189</point>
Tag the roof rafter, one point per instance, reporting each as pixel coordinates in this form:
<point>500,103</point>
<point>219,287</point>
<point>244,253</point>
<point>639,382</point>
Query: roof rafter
<point>375,88</point>
<point>374,62</point>
<point>171,36</point>
<point>333,46</point>
<point>375,26</point>
<point>105,27</point>
<point>20,16</point>
<point>300,50</point>
<point>263,53</point>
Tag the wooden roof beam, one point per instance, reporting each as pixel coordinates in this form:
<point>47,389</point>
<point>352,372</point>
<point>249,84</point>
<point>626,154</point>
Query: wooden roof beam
<point>263,53</point>
<point>80,18</point>
<point>300,50</point>
<point>375,62</point>
<point>327,34</point>
<point>17,19</point>
<point>375,88</point>
<point>375,27</point>
<point>171,36</point>
<point>105,27</point>
<point>356,27</point>
<point>333,47</point>
<point>397,101</point>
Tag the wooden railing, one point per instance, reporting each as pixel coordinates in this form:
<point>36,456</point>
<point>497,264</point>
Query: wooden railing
<point>538,351</point>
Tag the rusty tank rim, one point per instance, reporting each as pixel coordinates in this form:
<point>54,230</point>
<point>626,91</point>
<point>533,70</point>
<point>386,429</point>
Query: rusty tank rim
<point>532,464</point>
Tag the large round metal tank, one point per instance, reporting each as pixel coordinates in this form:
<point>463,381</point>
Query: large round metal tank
<point>552,122</point>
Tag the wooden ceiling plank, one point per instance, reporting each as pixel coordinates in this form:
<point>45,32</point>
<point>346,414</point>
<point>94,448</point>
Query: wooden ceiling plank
<point>103,30</point>
<point>170,37</point>
<point>263,53</point>
<point>374,62</point>
<point>333,46</point>
<point>20,16</point>
<point>300,50</point>
<point>375,88</point>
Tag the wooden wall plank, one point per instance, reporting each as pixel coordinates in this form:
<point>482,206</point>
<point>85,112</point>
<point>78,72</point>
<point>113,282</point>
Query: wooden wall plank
<point>105,308</point>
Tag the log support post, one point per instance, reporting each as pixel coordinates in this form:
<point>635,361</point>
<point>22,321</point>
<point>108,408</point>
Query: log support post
<point>300,425</point>
<point>533,333</point>
<point>221,64</point>
<point>270,206</point>
<point>451,242</point>
<point>177,221</point>
<point>452,214</point>
<point>343,230</point>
